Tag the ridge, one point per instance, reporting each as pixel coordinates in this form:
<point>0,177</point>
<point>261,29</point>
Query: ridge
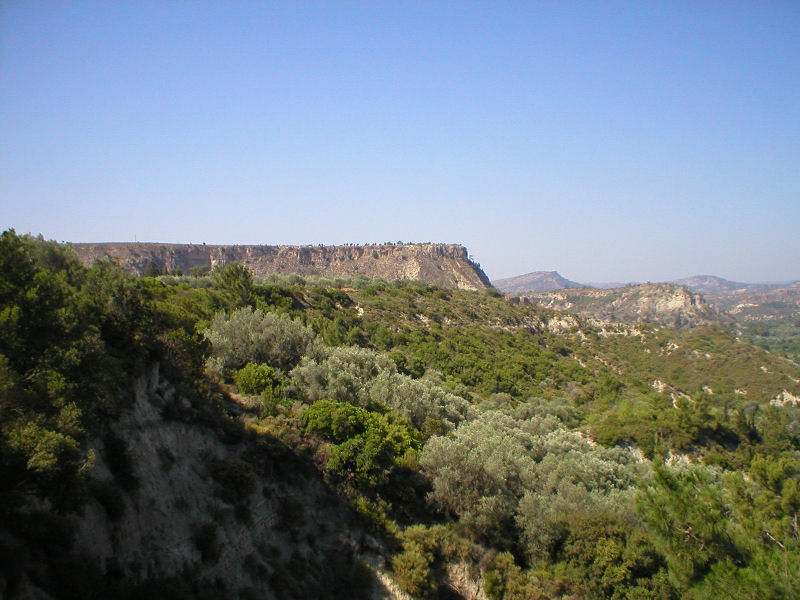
<point>445,265</point>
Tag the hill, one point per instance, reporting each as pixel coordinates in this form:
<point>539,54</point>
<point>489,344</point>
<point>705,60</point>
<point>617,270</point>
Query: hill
<point>538,281</point>
<point>766,314</point>
<point>738,297</point>
<point>663,303</point>
<point>711,284</point>
<point>447,265</point>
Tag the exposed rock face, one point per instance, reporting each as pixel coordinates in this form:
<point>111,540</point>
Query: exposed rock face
<point>446,265</point>
<point>538,281</point>
<point>179,517</point>
<point>662,303</point>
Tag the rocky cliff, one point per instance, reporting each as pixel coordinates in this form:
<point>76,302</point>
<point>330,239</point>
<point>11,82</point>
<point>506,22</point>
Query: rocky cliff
<point>446,265</point>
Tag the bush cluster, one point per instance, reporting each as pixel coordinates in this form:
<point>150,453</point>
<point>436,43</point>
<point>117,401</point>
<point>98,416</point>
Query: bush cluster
<point>254,336</point>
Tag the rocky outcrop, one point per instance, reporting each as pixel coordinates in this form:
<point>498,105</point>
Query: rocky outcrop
<point>750,302</point>
<point>446,265</point>
<point>661,303</point>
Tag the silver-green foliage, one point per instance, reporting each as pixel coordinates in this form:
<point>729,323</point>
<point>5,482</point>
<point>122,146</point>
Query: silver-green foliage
<point>343,374</point>
<point>420,399</point>
<point>477,473</point>
<point>571,482</point>
<point>248,335</point>
<point>523,477</point>
<point>369,379</point>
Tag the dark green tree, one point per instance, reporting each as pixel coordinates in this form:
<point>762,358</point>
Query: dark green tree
<point>152,270</point>
<point>725,535</point>
<point>235,281</point>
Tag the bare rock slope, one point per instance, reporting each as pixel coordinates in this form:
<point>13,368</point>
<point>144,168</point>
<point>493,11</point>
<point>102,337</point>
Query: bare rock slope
<point>242,516</point>
<point>662,303</point>
<point>446,265</point>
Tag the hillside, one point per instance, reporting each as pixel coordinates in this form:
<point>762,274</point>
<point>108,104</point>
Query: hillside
<point>662,303</point>
<point>766,314</point>
<point>447,265</point>
<point>752,301</point>
<point>538,281</point>
<point>238,437</point>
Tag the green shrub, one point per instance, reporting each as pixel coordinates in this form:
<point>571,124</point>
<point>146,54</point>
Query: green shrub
<point>200,271</point>
<point>365,446</point>
<point>412,571</point>
<point>504,580</point>
<point>255,378</point>
<point>413,567</point>
<point>235,281</point>
<point>727,534</point>
<point>248,335</point>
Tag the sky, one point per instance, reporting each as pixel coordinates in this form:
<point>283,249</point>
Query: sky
<point>610,141</point>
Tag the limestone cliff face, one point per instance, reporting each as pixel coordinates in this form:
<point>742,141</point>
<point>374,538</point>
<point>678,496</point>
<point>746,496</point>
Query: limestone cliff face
<point>446,265</point>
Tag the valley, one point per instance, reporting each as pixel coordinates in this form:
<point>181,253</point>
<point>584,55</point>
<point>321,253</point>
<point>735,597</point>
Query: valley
<point>765,314</point>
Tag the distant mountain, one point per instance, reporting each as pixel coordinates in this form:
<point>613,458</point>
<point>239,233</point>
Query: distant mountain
<point>767,314</point>
<point>607,285</point>
<point>661,303</point>
<point>538,281</point>
<point>753,301</point>
<point>710,285</point>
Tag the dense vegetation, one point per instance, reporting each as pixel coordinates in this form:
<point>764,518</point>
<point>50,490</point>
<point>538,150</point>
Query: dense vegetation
<point>552,458</point>
<point>71,341</point>
<point>778,335</point>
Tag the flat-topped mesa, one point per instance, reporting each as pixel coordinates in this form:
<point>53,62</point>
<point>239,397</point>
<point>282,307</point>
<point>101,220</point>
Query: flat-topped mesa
<point>446,265</point>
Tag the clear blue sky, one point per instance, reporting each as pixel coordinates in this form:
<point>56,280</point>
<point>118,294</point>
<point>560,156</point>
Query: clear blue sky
<point>606,140</point>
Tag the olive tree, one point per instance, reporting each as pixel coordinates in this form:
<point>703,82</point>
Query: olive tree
<point>343,374</point>
<point>516,481</point>
<point>424,402</point>
<point>248,335</point>
<point>369,379</point>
